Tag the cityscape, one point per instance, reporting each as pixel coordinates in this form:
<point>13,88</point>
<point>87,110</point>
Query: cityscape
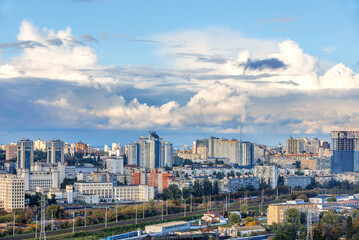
<point>159,120</point>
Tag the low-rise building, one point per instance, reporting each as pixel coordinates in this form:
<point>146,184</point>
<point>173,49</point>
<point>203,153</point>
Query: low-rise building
<point>234,184</point>
<point>297,181</point>
<point>103,190</point>
<point>319,199</point>
<point>134,193</point>
<point>89,199</point>
<point>168,227</point>
<point>276,212</point>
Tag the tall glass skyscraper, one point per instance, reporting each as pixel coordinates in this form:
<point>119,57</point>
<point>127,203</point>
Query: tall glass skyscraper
<point>55,151</point>
<point>25,153</point>
<point>345,146</point>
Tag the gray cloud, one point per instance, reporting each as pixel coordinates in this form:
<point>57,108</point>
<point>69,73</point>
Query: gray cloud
<point>270,63</point>
<point>55,42</point>
<point>22,45</point>
<point>89,38</point>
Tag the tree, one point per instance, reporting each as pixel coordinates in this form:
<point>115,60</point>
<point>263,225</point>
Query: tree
<point>172,192</point>
<point>207,187</point>
<point>215,188</point>
<point>293,216</point>
<point>355,213</point>
<point>59,212</point>
<point>244,208</point>
<point>331,199</point>
<point>234,219</point>
<point>330,217</point>
<point>303,196</point>
<point>349,229</point>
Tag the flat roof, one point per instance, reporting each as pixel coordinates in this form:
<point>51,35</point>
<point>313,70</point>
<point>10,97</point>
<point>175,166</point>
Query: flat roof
<point>168,224</point>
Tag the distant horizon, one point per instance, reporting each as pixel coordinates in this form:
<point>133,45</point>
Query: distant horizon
<point>176,140</point>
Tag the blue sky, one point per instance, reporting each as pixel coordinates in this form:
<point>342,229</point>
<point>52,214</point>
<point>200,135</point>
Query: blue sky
<point>103,71</point>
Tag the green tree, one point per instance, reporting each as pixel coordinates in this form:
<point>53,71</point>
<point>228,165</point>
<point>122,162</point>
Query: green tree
<point>59,212</point>
<point>215,188</point>
<point>293,216</point>
<point>207,187</point>
<point>355,213</point>
<point>349,229</point>
<point>172,192</point>
<point>331,199</point>
<point>244,208</point>
<point>330,217</point>
<point>234,219</point>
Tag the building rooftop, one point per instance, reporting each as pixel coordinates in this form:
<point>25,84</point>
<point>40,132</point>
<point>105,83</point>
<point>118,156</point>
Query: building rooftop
<point>168,224</point>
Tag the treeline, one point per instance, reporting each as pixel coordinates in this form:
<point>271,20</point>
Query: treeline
<point>199,189</point>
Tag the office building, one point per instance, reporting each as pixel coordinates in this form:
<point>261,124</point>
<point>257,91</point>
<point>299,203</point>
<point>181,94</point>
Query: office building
<point>25,154</point>
<point>12,192</point>
<point>345,146</point>
<point>55,151</point>
<point>82,148</point>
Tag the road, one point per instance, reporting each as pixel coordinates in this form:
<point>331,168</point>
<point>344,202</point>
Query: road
<point>99,227</point>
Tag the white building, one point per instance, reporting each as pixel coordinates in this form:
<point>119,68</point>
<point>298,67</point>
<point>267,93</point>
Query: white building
<point>168,227</point>
<point>40,145</point>
<point>44,176</point>
<point>103,190</point>
<point>267,174</point>
<point>12,192</point>
<point>89,199</point>
<point>114,165</point>
<point>134,193</point>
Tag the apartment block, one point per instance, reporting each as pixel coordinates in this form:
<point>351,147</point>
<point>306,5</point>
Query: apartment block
<point>12,192</point>
<point>276,212</point>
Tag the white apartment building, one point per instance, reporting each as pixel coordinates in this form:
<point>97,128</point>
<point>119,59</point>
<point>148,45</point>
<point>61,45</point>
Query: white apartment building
<point>12,192</point>
<point>267,174</point>
<point>134,193</point>
<point>114,165</point>
<point>103,190</point>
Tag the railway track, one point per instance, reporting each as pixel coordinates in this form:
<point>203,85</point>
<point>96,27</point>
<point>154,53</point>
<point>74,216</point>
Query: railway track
<point>100,227</point>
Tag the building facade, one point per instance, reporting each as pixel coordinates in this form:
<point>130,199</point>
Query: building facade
<point>345,146</point>
<point>55,151</point>
<point>12,192</point>
<point>25,154</point>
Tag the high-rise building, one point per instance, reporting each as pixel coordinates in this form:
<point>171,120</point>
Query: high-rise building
<point>25,153</point>
<point>55,151</point>
<point>246,154</point>
<point>115,165</point>
<point>81,148</point>
<point>151,152</point>
<point>12,192</point>
<point>40,145</point>
<point>345,146</point>
<point>11,151</point>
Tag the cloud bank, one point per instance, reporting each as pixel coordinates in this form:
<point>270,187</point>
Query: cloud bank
<point>210,80</point>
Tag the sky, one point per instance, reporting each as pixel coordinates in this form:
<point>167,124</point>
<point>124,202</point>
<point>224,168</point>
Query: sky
<point>110,71</point>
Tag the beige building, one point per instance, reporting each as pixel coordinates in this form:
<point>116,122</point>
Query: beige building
<point>276,212</point>
<point>11,151</point>
<point>12,193</point>
<point>103,190</point>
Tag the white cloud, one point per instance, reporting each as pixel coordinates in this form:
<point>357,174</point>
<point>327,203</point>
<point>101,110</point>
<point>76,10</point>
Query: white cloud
<point>266,85</point>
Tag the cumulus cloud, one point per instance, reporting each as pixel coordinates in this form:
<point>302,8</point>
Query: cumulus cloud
<point>212,79</point>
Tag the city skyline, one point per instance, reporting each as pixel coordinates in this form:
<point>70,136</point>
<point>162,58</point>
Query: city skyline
<point>208,70</point>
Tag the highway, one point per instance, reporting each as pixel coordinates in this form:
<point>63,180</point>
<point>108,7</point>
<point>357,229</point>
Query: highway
<point>99,227</point>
